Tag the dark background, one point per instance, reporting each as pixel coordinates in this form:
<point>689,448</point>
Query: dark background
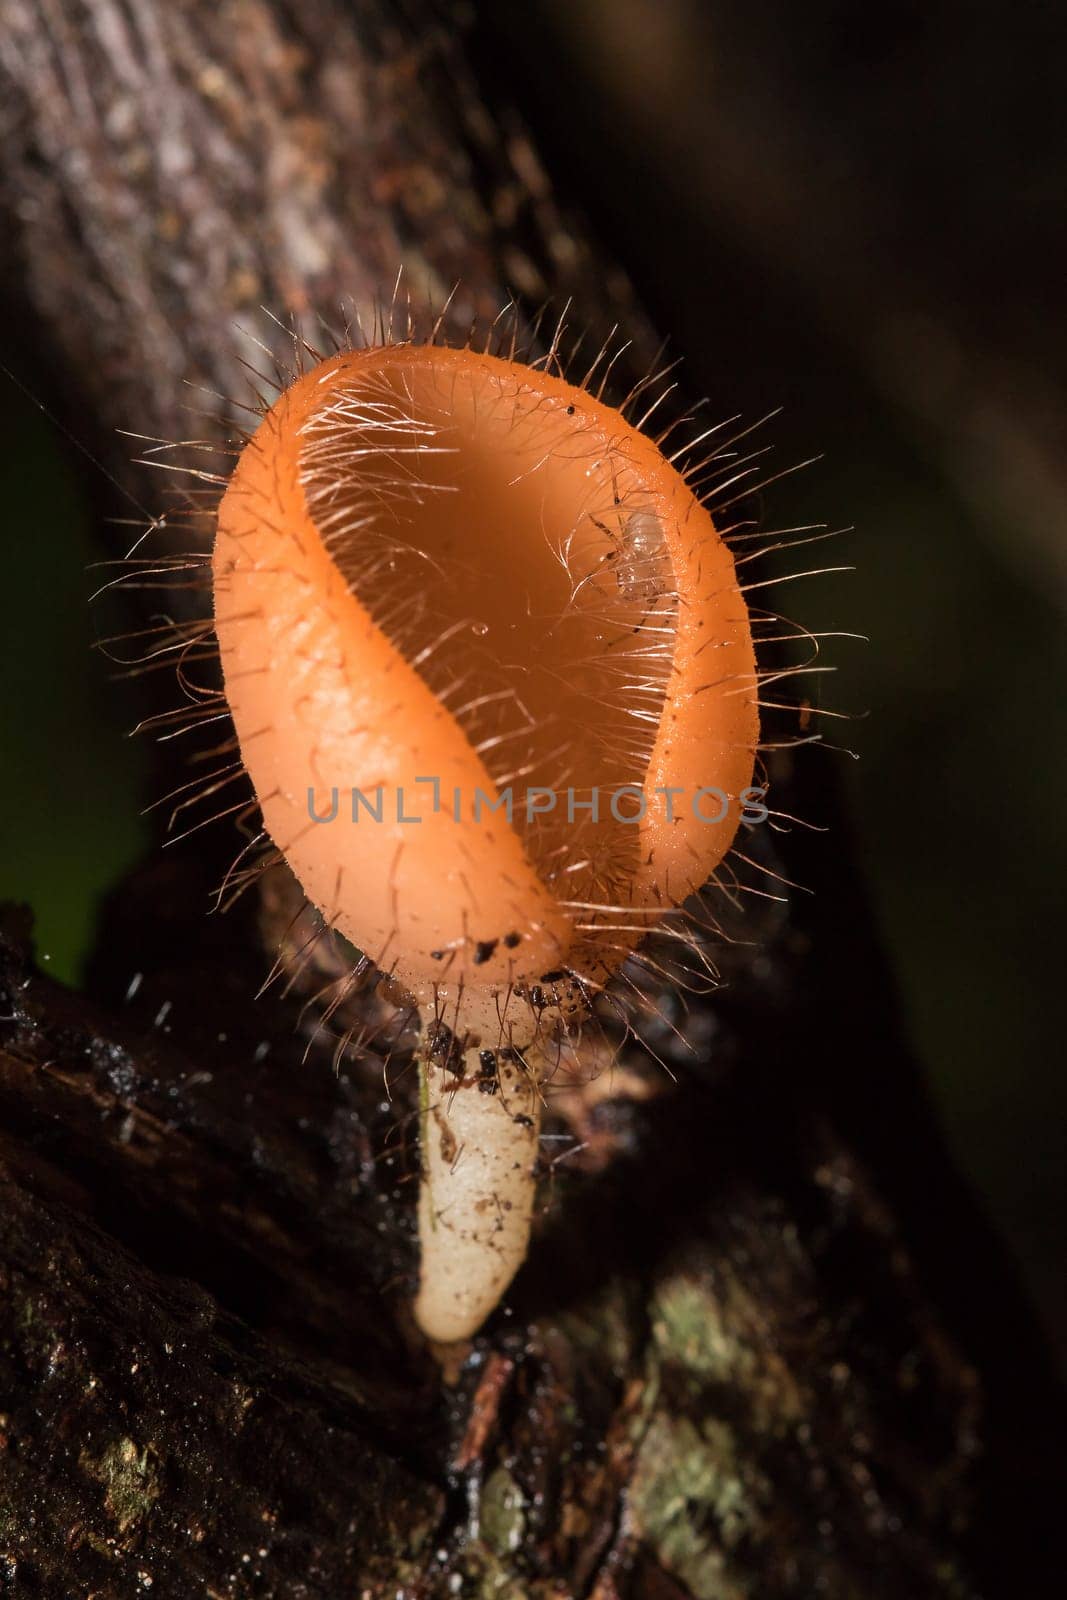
<point>854,214</point>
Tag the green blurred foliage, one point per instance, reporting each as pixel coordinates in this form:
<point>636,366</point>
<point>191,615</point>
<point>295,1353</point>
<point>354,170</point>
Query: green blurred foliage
<point>71,795</point>
<point>958,808</point>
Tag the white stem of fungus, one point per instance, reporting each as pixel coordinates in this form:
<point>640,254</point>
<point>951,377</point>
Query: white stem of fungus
<point>479,1153</point>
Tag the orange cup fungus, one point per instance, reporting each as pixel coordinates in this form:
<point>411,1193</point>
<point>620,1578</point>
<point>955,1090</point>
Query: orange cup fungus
<point>493,680</point>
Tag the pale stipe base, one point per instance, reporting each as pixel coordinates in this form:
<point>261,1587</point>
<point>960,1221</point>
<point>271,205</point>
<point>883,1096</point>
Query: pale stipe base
<point>479,1153</point>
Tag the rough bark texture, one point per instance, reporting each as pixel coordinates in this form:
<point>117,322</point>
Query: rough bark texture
<point>720,1365</point>
<point>177,176</point>
<point>764,1347</point>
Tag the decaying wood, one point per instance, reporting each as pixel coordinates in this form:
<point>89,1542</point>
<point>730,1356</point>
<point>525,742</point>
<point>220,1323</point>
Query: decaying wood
<point>720,1365</point>
<point>764,1347</point>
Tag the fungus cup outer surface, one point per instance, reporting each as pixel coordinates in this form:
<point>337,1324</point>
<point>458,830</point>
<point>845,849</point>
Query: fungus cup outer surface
<point>322,698</point>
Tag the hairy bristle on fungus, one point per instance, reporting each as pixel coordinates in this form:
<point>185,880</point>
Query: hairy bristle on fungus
<point>492,678</point>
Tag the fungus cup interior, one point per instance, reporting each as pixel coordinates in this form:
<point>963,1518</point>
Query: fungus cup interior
<point>478,596</point>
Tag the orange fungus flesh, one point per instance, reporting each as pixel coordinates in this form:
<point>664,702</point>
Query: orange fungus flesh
<point>490,670</point>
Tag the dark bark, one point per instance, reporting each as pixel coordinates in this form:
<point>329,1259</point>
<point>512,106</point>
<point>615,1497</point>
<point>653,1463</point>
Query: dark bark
<point>174,176</point>
<point>764,1346</point>
<point>735,1380</point>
